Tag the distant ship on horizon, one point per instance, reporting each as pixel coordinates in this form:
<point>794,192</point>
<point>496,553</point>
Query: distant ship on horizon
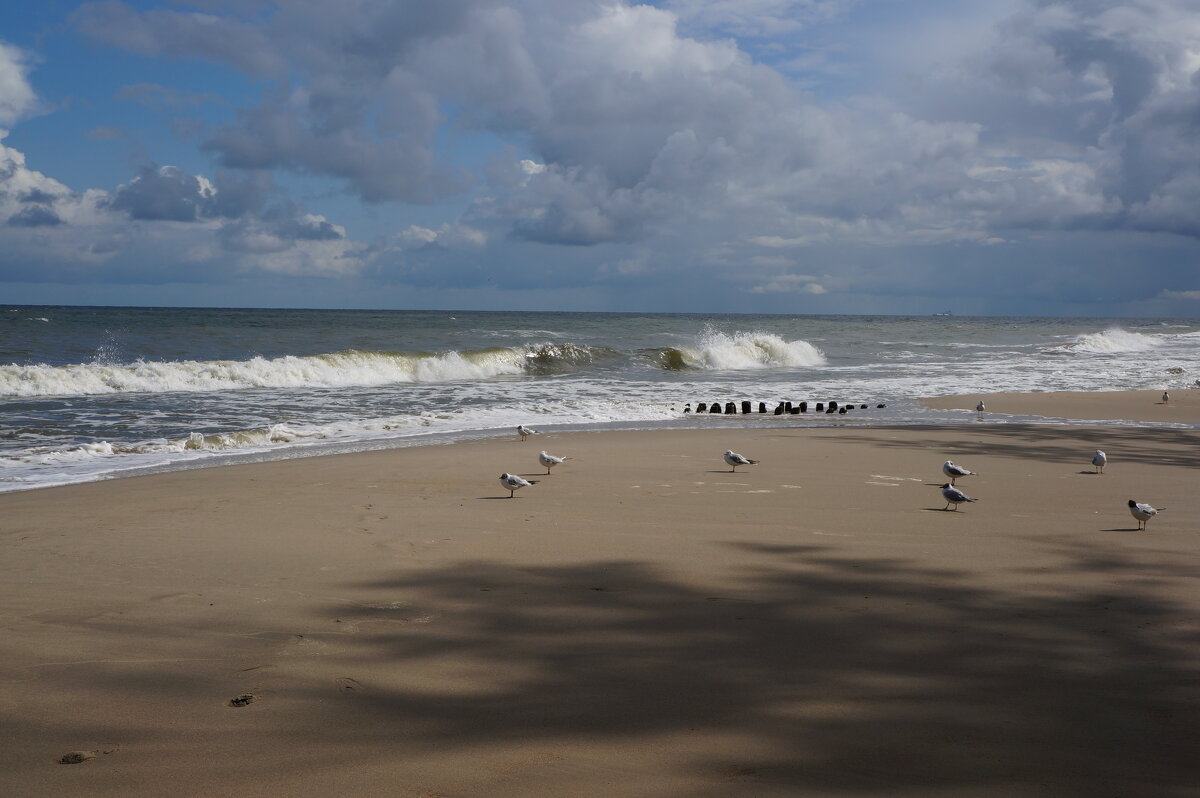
<point>944,313</point>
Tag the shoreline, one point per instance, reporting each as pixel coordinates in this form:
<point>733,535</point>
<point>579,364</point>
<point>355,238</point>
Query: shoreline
<point>1144,406</point>
<point>1051,407</point>
<point>641,617</point>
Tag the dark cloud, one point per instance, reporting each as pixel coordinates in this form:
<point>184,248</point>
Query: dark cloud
<point>34,216</point>
<point>162,194</point>
<point>180,34</point>
<point>327,136</point>
<point>37,195</point>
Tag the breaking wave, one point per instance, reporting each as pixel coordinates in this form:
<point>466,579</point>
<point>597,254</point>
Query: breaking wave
<point>1113,340</point>
<point>720,351</point>
<point>338,369</point>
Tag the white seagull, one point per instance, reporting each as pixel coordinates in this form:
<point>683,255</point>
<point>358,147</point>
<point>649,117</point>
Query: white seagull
<point>525,431</point>
<point>513,483</point>
<point>1166,397</point>
<point>549,460</point>
<point>979,408</point>
<point>734,459</point>
<point>955,471</point>
<point>954,496</point>
<point>1099,459</point>
<point>1142,512</point>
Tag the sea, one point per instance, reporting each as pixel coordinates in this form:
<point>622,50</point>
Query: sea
<point>92,393</point>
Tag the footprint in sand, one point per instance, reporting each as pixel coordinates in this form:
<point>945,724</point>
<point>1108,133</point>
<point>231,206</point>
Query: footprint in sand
<point>301,646</point>
<point>347,685</point>
<point>242,700</point>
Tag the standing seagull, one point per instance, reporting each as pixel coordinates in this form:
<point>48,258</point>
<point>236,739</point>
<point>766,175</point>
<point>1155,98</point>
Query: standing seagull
<point>954,496</point>
<point>979,408</point>
<point>1098,460</point>
<point>1142,512</point>
<point>513,483</point>
<point>1166,397</point>
<point>734,459</point>
<point>954,471</point>
<point>549,460</point>
<point>525,431</point>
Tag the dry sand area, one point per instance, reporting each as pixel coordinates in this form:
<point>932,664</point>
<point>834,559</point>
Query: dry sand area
<point>640,623</point>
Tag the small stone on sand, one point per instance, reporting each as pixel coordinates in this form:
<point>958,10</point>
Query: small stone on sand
<point>75,757</point>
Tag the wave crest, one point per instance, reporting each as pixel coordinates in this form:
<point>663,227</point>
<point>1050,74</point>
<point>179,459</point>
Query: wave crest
<point>337,369</point>
<point>1113,340</point>
<point>746,350</point>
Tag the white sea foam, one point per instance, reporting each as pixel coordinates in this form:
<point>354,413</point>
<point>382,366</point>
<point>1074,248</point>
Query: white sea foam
<point>339,369</point>
<point>750,350</point>
<point>1114,340</point>
<point>45,465</point>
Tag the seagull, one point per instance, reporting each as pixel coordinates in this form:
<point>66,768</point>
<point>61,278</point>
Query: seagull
<point>1098,460</point>
<point>979,408</point>
<point>954,471</point>
<point>525,431</point>
<point>549,460</point>
<point>1166,397</point>
<point>513,483</point>
<point>1142,512</point>
<point>954,496</point>
<point>734,459</point>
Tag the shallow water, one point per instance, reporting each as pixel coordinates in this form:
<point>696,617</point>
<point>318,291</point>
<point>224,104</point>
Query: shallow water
<point>88,393</point>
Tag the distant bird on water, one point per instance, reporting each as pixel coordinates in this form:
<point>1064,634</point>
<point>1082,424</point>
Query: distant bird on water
<point>955,471</point>
<point>734,459</point>
<point>513,483</point>
<point>1099,459</point>
<point>549,460</point>
<point>1142,512</point>
<point>979,408</point>
<point>525,431</point>
<point>954,496</point>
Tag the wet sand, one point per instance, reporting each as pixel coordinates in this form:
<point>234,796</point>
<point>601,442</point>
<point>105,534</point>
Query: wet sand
<point>639,623</point>
<point>1183,407</point>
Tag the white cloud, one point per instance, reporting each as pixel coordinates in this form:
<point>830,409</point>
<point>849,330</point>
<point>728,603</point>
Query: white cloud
<point>789,284</point>
<point>641,140</point>
<point>17,98</point>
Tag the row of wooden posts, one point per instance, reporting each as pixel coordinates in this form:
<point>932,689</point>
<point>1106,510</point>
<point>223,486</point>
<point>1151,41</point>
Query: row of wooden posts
<point>783,408</point>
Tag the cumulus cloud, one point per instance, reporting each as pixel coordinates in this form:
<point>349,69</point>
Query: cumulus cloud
<point>163,225</point>
<point>163,194</point>
<point>1188,295</point>
<point>656,135</point>
<point>789,284</point>
<point>17,98</point>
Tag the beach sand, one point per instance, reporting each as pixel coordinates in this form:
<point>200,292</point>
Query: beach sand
<point>640,623</point>
<point>1183,407</point>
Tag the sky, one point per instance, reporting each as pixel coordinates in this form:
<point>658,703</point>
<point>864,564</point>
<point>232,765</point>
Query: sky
<point>996,157</point>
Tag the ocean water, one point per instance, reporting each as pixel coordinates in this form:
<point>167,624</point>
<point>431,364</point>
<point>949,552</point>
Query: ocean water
<point>89,393</point>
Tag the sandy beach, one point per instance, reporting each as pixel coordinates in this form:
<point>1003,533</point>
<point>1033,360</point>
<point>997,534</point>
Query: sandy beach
<point>1183,407</point>
<point>641,622</point>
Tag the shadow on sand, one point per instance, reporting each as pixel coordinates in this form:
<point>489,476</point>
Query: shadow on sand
<point>856,676</point>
